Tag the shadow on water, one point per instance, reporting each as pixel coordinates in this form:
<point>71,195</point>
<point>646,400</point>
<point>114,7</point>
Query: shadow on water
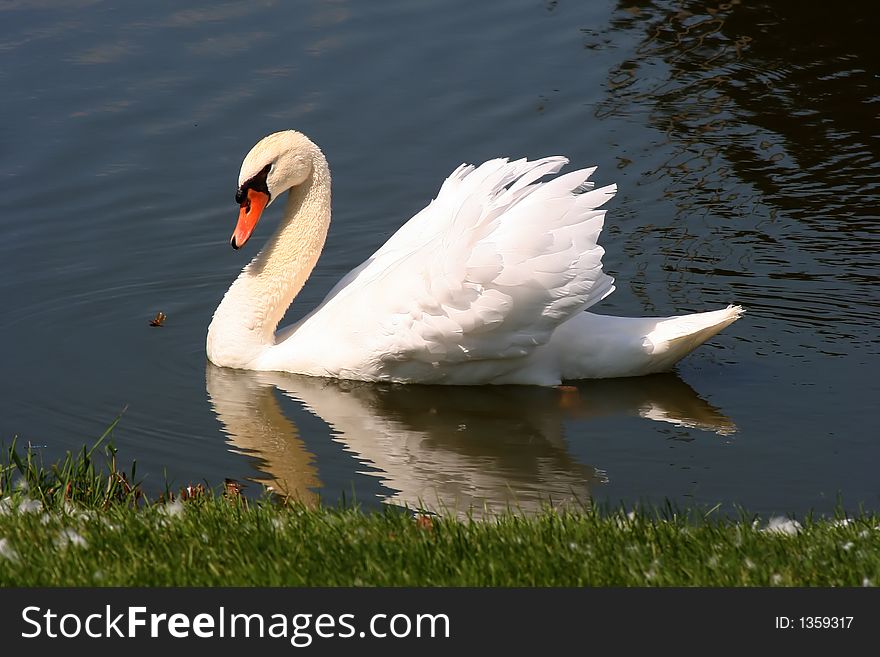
<point>452,448</point>
<point>775,91</point>
<point>767,116</point>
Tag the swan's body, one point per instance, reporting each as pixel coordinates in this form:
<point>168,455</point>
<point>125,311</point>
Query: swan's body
<point>486,285</point>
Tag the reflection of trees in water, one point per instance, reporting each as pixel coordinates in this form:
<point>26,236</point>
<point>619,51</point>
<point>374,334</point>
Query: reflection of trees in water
<point>769,112</point>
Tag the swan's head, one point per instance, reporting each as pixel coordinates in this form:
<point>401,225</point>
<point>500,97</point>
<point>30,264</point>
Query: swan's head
<point>277,162</point>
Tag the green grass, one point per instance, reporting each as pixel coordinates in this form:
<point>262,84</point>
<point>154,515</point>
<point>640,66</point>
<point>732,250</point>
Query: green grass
<point>79,525</point>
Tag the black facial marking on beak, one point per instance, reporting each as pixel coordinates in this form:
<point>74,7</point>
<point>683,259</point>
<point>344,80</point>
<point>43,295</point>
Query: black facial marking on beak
<point>257,183</point>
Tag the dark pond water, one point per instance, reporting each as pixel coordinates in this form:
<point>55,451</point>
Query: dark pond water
<point>743,138</point>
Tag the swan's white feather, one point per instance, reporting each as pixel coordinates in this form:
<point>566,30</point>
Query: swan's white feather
<point>487,271</point>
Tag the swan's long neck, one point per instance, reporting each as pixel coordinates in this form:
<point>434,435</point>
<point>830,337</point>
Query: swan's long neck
<point>245,321</point>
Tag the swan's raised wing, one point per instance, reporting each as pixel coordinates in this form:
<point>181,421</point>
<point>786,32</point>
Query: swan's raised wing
<point>486,272</point>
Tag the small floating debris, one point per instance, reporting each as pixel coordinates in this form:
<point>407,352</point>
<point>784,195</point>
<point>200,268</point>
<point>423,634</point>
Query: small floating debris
<point>191,492</point>
<point>232,488</point>
<point>424,522</point>
<point>158,320</point>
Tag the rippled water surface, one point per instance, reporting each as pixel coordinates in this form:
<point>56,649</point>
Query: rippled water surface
<point>743,137</point>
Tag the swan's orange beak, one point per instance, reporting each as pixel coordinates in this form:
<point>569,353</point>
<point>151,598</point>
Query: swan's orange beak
<point>251,208</point>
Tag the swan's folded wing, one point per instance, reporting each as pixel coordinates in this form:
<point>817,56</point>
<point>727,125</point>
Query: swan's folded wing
<point>487,271</point>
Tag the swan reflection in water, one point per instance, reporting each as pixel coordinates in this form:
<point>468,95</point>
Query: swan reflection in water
<point>452,449</point>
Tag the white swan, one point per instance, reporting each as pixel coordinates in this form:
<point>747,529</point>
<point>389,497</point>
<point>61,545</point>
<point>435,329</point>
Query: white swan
<point>487,285</point>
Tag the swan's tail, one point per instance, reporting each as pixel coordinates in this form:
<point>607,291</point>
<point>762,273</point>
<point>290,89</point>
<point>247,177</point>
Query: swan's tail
<point>673,338</point>
<point>591,346</point>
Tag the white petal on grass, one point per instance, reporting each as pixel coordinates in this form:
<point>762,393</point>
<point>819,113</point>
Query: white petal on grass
<point>108,524</point>
<point>7,551</point>
<point>867,582</point>
<point>171,509</point>
<point>625,521</point>
<point>847,546</point>
<point>776,579</point>
<point>70,537</point>
<point>780,525</point>
<point>28,505</point>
